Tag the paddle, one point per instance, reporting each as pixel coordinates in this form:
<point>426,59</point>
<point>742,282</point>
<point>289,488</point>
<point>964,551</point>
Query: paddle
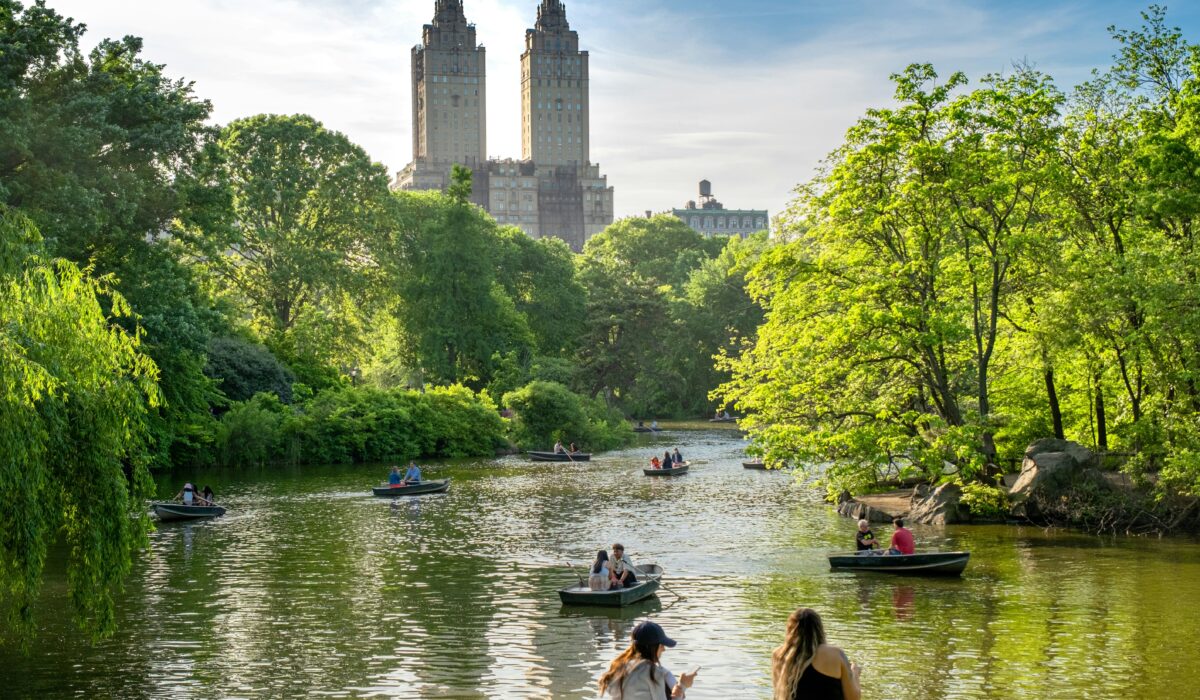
<point>660,582</point>
<point>582,583</point>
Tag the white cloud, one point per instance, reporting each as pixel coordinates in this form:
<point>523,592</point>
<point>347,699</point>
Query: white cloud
<point>675,98</point>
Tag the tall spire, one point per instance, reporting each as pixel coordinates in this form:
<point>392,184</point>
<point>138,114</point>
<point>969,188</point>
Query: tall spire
<point>449,12</point>
<point>552,16</point>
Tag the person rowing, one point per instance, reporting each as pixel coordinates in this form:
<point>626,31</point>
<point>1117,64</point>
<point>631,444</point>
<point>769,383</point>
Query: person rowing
<point>413,475</point>
<point>622,568</point>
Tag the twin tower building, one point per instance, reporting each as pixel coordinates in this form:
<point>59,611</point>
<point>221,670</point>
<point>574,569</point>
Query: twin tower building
<point>554,189</point>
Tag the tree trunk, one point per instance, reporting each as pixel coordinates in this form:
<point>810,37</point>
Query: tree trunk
<point>1055,409</point>
<point>1101,425</point>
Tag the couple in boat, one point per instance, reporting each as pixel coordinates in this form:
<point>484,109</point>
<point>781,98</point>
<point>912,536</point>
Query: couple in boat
<point>412,476</point>
<point>612,573</point>
<point>669,461</point>
<point>902,540</point>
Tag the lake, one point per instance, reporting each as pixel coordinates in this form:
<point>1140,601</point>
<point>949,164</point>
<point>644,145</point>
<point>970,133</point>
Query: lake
<point>310,586</point>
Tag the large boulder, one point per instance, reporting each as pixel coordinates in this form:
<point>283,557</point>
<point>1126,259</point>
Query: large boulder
<point>1050,466</point>
<point>861,511</point>
<point>940,506</point>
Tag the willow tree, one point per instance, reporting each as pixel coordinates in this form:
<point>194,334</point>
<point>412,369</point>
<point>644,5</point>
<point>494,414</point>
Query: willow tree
<point>75,391</point>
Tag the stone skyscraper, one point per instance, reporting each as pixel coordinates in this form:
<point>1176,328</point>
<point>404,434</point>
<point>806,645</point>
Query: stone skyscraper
<point>554,91</point>
<point>554,189</point>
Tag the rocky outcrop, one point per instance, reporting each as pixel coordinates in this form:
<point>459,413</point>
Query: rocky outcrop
<point>1049,467</point>
<point>939,506</point>
<point>861,509</point>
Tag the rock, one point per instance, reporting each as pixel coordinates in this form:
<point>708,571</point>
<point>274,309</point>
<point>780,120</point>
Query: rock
<point>941,506</point>
<point>1050,466</point>
<point>861,511</point>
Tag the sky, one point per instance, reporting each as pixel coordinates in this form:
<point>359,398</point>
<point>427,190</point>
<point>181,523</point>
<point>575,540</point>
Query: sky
<point>750,94</point>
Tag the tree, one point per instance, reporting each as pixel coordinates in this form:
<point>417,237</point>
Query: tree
<point>438,256</point>
<point>75,392</point>
<point>304,203</point>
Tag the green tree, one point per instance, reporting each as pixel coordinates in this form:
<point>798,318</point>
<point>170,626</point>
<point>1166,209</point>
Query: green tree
<point>305,202</point>
<point>76,391</point>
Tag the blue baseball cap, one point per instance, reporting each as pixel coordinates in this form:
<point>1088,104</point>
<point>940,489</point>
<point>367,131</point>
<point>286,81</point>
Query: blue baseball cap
<point>652,633</point>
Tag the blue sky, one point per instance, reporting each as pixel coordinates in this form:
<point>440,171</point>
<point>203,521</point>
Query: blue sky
<point>750,95</point>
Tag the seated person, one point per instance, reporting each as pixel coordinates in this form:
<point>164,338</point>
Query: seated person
<point>394,477</point>
<point>865,539</point>
<point>413,475</point>
<point>187,495</point>
<point>654,425</point>
<point>558,448</point>
<point>667,461</point>
<point>676,457</point>
<point>622,568</point>
<point>573,449</point>
<point>207,496</point>
<point>654,463</point>
<point>600,579</point>
<point>902,539</point>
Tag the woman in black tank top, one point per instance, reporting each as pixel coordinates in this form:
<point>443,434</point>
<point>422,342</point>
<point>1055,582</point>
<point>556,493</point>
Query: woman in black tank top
<point>805,667</point>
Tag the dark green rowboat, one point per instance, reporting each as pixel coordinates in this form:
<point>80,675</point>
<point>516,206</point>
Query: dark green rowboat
<point>172,512</point>
<point>928,564</point>
<point>667,472</point>
<point>559,456</point>
<point>648,577</point>
<point>436,486</point>
<point>754,465</point>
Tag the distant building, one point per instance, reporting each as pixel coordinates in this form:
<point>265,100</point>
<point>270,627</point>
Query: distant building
<point>554,189</point>
<point>711,218</point>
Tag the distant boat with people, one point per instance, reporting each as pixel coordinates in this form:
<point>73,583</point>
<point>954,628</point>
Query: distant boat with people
<point>173,512</point>
<point>681,468</point>
<point>559,456</point>
<point>649,576</point>
<point>925,564</point>
<point>418,488</point>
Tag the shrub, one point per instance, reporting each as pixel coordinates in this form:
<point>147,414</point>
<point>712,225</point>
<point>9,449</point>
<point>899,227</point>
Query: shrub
<point>546,412</point>
<point>251,433</point>
<point>245,369</point>
<point>987,502</point>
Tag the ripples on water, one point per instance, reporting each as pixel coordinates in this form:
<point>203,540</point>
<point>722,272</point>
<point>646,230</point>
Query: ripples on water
<point>309,587</point>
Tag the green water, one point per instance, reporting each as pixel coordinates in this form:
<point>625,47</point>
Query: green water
<point>311,587</point>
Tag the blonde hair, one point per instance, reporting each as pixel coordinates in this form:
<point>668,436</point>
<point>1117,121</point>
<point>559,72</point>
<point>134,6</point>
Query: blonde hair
<point>792,658</point>
<point>622,665</point>
<point>863,522</point>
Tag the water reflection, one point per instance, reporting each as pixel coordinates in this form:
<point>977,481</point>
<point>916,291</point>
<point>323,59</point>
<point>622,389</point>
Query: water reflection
<point>310,586</point>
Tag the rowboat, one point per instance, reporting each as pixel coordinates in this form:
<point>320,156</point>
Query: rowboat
<point>928,564</point>
<point>172,512</point>
<point>754,465</point>
<point>648,578</point>
<point>643,429</point>
<point>681,469</point>
<point>417,489</point>
<point>559,456</point>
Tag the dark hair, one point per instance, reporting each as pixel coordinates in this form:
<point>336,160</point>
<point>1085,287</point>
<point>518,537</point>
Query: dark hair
<point>619,546</point>
<point>898,522</point>
<point>601,557</point>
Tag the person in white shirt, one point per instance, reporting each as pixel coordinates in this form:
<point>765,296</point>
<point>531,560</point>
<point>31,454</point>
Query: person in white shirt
<point>623,570</point>
<point>637,675</point>
<point>599,578</point>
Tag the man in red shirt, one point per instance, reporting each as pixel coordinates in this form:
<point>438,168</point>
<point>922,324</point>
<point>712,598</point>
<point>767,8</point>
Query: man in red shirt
<point>902,539</point>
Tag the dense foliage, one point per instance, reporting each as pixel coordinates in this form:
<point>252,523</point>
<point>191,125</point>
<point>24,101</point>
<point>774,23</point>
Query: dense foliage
<point>979,267</point>
<point>75,396</point>
<point>548,412</point>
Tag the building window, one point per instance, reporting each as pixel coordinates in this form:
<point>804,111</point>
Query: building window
<point>733,222</point>
<point>747,222</point>
<point>761,223</point>
<point>695,222</point>
<point>721,222</point>
<point>708,222</point>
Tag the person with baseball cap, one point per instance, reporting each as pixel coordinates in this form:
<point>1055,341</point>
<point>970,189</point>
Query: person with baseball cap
<point>636,673</point>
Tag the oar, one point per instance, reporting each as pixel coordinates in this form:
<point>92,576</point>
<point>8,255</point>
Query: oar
<point>576,571</point>
<point>660,582</point>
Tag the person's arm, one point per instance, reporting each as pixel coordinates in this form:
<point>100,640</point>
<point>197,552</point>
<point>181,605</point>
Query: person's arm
<point>850,689</point>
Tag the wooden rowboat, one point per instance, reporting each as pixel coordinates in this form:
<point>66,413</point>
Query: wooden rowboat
<point>754,465</point>
<point>927,564</point>
<point>644,429</point>
<point>417,489</point>
<point>648,578</point>
<point>681,469</point>
<point>559,456</point>
<point>172,512</point>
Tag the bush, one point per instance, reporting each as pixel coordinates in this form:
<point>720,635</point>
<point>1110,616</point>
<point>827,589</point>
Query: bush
<point>252,433</point>
<point>361,424</point>
<point>245,369</point>
<point>546,412</point>
<point>986,502</point>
